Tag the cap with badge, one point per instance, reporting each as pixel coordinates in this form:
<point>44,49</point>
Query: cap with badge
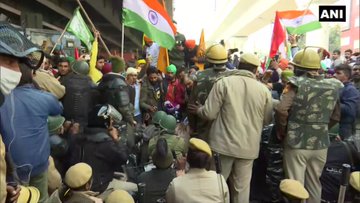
<point>294,189</point>
<point>78,175</point>
<point>200,145</point>
<point>250,59</point>
<point>119,196</point>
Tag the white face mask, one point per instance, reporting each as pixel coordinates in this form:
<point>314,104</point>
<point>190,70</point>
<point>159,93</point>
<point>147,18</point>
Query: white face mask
<point>9,79</point>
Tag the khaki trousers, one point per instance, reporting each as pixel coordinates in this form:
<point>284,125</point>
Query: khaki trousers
<point>306,166</point>
<point>239,173</point>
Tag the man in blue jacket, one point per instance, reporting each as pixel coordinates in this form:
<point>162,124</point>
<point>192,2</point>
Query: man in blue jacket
<point>349,101</point>
<point>24,112</point>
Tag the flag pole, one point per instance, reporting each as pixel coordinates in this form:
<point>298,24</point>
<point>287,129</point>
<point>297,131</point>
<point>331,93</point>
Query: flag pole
<point>93,26</point>
<point>59,39</point>
<point>122,39</point>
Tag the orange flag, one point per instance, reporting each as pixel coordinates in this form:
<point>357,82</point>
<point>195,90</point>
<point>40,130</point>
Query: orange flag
<point>201,50</point>
<point>163,59</point>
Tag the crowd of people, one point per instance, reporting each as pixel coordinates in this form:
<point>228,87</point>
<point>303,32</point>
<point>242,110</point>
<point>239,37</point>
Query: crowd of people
<point>116,131</point>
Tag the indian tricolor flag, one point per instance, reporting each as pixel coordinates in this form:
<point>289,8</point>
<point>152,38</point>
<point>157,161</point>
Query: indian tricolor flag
<point>299,21</point>
<point>150,17</point>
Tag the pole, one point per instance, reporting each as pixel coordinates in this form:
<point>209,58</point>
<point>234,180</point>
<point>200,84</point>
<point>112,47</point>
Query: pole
<point>122,39</point>
<point>344,182</point>
<point>59,39</point>
<point>93,26</point>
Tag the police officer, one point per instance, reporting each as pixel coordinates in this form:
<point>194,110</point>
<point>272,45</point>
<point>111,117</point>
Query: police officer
<point>176,144</point>
<point>76,188</point>
<point>216,57</point>
<point>113,90</point>
<point>77,100</point>
<point>311,101</point>
<point>293,191</point>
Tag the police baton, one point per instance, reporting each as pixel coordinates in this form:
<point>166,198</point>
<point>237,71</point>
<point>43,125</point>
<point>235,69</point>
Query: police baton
<point>345,175</point>
<point>218,171</point>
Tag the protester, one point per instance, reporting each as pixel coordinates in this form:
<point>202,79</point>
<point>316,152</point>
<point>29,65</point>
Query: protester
<point>348,55</point>
<point>135,88</point>
<point>190,53</point>
<point>174,92</point>
<point>64,68</point>
<point>349,101</point>
<point>151,95</point>
<point>152,51</point>
<point>177,54</point>
<point>198,184</point>
<point>336,60</point>
<point>240,142</point>
<point>95,67</point>
<point>305,128</point>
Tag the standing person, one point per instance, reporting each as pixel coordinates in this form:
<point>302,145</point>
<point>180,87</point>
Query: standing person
<point>356,80</point>
<point>216,56</point>
<point>348,54</point>
<point>24,129</point>
<point>96,64</point>
<point>15,50</point>
<point>177,54</point>
<point>349,101</point>
<point>114,90</point>
<point>239,106</point>
<point>152,51</point>
<point>312,103</point>
<point>135,86</point>
<point>198,185</point>
<point>336,60</point>
<point>64,69</point>
<point>77,100</point>
<point>151,95</point>
<point>174,92</point>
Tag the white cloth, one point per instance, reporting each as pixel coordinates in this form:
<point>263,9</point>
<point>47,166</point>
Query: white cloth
<point>152,53</point>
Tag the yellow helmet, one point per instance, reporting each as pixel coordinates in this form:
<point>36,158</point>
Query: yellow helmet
<point>307,58</point>
<point>216,54</point>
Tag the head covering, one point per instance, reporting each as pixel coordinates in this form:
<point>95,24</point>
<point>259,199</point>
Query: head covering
<point>55,123</point>
<point>200,145</point>
<point>162,156</point>
<point>171,69</point>
<point>141,61</point>
<point>54,177</point>
<point>283,63</point>
<point>147,39</point>
<point>294,188</point>
<point>250,59</point>
<point>119,196</point>
<point>78,175</point>
<point>355,180</point>
<point>190,43</point>
<point>287,74</point>
<point>107,68</point>
<point>29,194</point>
<point>70,59</point>
<point>131,71</point>
<point>118,64</point>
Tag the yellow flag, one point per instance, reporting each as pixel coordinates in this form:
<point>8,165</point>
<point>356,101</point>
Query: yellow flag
<point>201,50</point>
<point>163,59</point>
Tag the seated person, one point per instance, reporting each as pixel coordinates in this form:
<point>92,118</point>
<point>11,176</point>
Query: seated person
<point>198,185</point>
<point>158,179</point>
<point>293,191</point>
<point>76,187</point>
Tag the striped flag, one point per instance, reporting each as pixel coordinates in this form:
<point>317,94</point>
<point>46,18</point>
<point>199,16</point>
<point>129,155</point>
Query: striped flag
<point>150,17</point>
<point>299,21</point>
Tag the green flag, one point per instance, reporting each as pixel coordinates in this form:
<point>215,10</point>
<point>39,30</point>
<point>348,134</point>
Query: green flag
<point>78,27</point>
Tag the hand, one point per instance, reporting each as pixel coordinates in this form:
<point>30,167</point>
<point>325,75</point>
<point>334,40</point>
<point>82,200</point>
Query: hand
<point>181,163</point>
<point>338,138</point>
<point>153,109</point>
<point>67,125</point>
<point>193,108</point>
<point>12,193</point>
<point>113,132</point>
<point>180,173</point>
<point>96,33</point>
<point>75,128</point>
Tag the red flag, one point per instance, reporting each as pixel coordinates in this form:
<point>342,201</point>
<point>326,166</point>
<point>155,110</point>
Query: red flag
<point>278,37</point>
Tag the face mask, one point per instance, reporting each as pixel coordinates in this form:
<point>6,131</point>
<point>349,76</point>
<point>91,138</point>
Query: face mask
<point>9,79</point>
